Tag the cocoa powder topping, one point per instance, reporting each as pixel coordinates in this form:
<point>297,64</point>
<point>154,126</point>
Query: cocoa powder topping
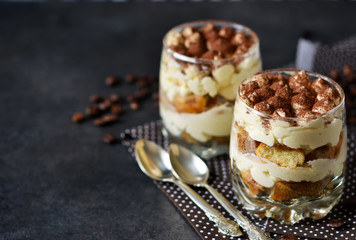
<point>299,79</point>
<point>263,107</point>
<point>225,42</point>
<point>284,93</point>
<point>297,96</point>
<point>278,102</point>
<point>265,93</point>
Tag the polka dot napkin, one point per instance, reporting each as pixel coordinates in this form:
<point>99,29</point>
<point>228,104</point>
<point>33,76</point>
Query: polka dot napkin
<point>220,180</point>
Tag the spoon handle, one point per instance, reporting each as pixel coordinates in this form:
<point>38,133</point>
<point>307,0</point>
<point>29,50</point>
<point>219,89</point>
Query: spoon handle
<point>253,232</point>
<point>224,225</point>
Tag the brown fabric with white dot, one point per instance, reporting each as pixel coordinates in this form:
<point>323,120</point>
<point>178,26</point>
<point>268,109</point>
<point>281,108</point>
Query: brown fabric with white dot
<point>220,180</point>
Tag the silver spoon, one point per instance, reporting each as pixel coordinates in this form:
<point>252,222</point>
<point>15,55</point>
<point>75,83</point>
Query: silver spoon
<point>192,170</point>
<point>155,163</point>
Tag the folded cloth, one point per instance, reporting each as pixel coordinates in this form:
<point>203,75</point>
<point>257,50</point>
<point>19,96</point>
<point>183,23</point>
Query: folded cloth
<point>321,58</point>
<point>220,180</point>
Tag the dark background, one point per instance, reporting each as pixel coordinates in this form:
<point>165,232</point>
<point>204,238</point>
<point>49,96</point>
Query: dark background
<point>58,180</point>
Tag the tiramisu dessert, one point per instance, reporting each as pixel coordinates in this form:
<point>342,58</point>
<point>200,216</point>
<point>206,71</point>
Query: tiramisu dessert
<point>202,65</point>
<point>288,144</point>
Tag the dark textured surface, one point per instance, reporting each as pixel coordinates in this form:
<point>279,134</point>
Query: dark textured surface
<point>57,179</point>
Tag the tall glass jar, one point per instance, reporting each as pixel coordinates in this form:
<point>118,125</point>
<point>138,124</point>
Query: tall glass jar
<point>202,65</point>
<point>288,144</point>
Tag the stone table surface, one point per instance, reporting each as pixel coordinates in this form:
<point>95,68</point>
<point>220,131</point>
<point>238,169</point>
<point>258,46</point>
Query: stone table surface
<point>58,180</point>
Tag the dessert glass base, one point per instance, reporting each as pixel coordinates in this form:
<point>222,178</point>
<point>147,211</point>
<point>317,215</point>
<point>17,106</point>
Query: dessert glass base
<point>290,212</point>
<point>205,150</point>
<point>202,65</point>
<point>288,145</point>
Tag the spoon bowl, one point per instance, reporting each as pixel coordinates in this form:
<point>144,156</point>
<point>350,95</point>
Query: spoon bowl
<point>154,162</point>
<point>191,169</point>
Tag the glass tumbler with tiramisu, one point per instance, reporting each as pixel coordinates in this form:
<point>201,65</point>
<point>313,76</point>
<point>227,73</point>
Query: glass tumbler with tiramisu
<point>202,64</point>
<point>288,144</point>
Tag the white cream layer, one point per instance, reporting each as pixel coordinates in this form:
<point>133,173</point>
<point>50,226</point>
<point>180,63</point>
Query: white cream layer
<point>201,126</point>
<point>308,135</point>
<point>182,79</point>
<point>267,173</point>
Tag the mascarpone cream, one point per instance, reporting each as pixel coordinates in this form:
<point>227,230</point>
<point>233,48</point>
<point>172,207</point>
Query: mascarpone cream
<point>307,135</point>
<point>266,173</point>
<point>201,126</point>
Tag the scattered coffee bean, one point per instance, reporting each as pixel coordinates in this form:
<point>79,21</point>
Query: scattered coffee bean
<point>155,95</point>
<point>115,98</point>
<point>336,223</point>
<point>95,98</point>
<point>289,236</point>
<point>99,122</point>
<point>105,104</point>
<point>130,78</point>
<point>110,118</point>
<point>146,84</point>
<point>109,138</point>
<point>349,73</point>
<point>134,106</point>
<point>142,83</point>
<point>111,80</point>
<point>351,120</point>
<point>92,110</point>
<point>130,97</point>
<point>116,109</point>
<point>143,93</point>
<point>352,89</point>
<point>334,74</point>
<point>78,117</point>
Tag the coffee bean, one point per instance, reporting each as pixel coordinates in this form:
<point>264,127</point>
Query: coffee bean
<point>130,78</point>
<point>130,97</point>
<point>141,94</point>
<point>142,83</point>
<point>289,236</point>
<point>155,95</point>
<point>351,120</point>
<point>334,74</point>
<point>99,122</point>
<point>349,73</point>
<point>78,117</point>
<point>347,70</point>
<point>134,106</point>
<point>352,88</point>
<point>92,110</point>
<point>336,223</point>
<point>109,138</point>
<point>95,98</point>
<point>105,104</point>
<point>116,109</point>
<point>110,118</point>
<point>115,97</point>
<point>111,80</point>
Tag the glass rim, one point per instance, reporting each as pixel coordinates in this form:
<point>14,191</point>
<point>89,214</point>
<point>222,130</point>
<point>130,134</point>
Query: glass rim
<point>295,70</point>
<point>237,26</point>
